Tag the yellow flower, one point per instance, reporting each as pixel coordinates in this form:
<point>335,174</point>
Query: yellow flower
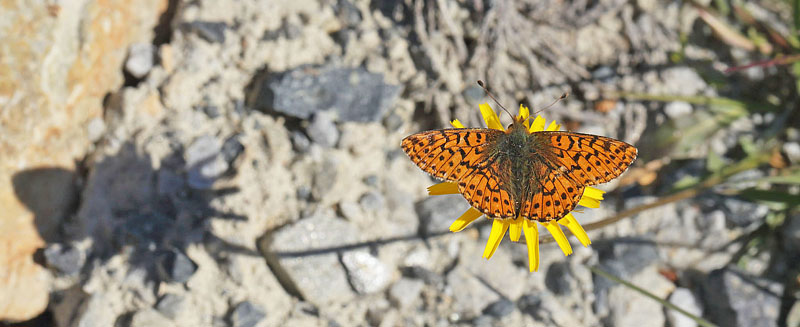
<point>518,226</point>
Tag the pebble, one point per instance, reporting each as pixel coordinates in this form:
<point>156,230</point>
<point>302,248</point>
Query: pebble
<point>203,162</point>
<point>684,299</point>
<point>499,308</point>
<point>676,109</point>
<point>171,305</point>
<point>405,291</point>
<point>372,201</point>
<point>140,59</point>
<point>322,130</point>
<point>174,266</point>
<point>367,273</point>
<point>149,317</point>
<point>300,142</point>
<point>231,149</point>
<point>792,150</point>
<point>732,298</point>
<point>247,314</point>
<point>96,129</point>
<point>213,32</point>
<point>64,258</point>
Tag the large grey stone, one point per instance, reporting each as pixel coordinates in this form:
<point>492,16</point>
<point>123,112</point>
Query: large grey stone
<point>354,94</point>
<point>305,257</point>
<point>734,299</point>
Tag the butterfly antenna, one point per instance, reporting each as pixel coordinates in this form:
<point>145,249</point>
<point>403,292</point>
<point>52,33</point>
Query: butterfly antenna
<point>493,98</point>
<point>562,97</point>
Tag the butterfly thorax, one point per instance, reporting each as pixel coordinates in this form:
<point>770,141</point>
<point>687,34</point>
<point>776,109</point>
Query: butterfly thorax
<point>520,156</point>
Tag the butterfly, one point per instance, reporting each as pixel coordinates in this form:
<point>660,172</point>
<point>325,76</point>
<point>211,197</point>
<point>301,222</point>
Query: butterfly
<point>518,173</point>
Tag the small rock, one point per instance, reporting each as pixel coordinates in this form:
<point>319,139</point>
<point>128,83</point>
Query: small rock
<point>204,162</point>
<point>744,213</point>
<point>367,273</point>
<point>684,299</point>
<point>353,93</point>
<point>676,109</point>
<point>499,308</point>
<point>792,150</point>
<point>211,111</point>
<point>372,201</point>
<point>436,213</point>
<point>213,32</point>
<point>469,293</point>
<point>734,299</point>
<point>149,317</point>
<point>300,142</point>
<point>140,59</point>
<point>64,258</point>
<point>247,314</point>
<point>393,122</point>
<point>96,129</point>
<point>171,305</point>
<point>559,278</point>
<point>174,266</point>
<point>322,130</point>
<point>426,275</point>
<point>231,149</point>
<point>603,73</point>
<point>325,176</point>
<point>405,291</point>
<point>371,180</point>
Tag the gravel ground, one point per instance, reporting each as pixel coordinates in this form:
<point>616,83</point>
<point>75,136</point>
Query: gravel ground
<point>248,172</point>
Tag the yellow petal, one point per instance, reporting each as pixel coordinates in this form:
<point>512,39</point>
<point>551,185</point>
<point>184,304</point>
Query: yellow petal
<point>515,229</point>
<point>524,113</point>
<point>443,188</point>
<point>593,193</point>
<point>558,235</point>
<point>589,202</point>
<point>457,124</point>
<point>492,121</point>
<point>499,228</point>
<point>467,218</point>
<point>532,239</point>
<point>553,126</point>
<point>537,125</point>
<point>576,229</point>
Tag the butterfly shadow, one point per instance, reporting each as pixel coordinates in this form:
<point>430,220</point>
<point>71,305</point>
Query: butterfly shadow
<point>123,205</point>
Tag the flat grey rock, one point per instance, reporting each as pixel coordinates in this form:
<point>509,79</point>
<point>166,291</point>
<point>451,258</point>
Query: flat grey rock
<point>306,256</point>
<point>354,94</point>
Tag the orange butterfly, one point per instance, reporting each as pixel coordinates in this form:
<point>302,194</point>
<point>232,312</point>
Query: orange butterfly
<point>514,173</point>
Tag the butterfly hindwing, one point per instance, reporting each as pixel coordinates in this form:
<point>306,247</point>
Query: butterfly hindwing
<point>589,159</point>
<point>553,196</point>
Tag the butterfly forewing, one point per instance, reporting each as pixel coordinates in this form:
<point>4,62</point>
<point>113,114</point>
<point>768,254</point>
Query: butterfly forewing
<point>589,159</point>
<point>450,154</point>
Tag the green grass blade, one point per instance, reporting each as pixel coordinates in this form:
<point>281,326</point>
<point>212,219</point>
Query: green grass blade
<point>700,321</point>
